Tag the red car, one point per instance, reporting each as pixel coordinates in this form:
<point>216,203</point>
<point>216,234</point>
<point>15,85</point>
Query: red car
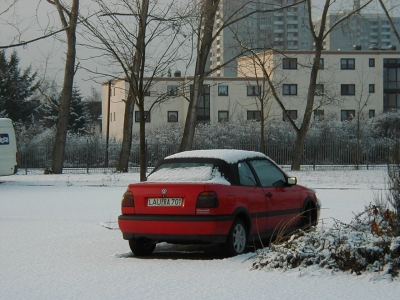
<point>214,196</point>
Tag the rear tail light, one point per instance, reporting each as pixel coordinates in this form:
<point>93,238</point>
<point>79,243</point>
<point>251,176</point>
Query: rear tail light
<point>127,200</point>
<point>207,199</point>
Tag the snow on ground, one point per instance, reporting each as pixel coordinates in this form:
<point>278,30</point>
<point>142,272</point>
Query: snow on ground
<point>55,244</point>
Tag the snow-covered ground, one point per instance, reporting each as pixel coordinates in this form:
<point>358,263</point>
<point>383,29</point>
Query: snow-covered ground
<point>54,244</point>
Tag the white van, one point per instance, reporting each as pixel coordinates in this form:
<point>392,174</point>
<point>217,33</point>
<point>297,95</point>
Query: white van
<point>8,148</point>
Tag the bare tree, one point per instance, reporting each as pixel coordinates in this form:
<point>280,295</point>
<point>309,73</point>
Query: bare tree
<point>131,38</point>
<point>261,92</point>
<point>17,40</point>
<point>208,11</point>
<point>69,20</point>
<point>206,34</point>
<point>362,98</point>
<point>319,35</point>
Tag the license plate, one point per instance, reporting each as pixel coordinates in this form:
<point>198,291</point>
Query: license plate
<point>164,202</point>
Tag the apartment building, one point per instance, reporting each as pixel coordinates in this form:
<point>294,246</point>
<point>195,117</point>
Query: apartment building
<point>280,29</point>
<point>166,103</point>
<point>363,30</point>
<point>349,82</point>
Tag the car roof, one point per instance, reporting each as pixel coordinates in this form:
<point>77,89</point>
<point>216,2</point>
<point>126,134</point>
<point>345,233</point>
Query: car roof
<point>231,156</point>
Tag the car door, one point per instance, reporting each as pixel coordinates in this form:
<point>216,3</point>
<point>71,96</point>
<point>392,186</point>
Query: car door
<point>282,203</point>
<point>255,194</point>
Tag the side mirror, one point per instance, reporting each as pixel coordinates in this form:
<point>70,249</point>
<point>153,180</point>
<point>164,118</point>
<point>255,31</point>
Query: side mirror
<point>292,180</point>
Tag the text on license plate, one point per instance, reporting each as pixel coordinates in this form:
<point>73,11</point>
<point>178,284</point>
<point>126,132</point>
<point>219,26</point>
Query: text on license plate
<point>164,202</point>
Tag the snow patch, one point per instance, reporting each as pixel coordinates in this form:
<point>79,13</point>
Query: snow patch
<point>231,156</point>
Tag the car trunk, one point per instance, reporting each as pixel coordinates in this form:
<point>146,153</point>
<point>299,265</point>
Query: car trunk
<point>166,198</point>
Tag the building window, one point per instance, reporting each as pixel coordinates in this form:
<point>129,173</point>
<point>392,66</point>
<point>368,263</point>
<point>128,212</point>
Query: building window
<point>223,115</point>
<point>172,90</point>
<point>348,89</point>
<point>318,115</point>
<point>372,88</point>
<point>289,63</point>
<point>290,89</point>
<point>147,116</point>
<point>371,113</point>
<point>391,84</point>
<point>172,116</point>
<point>347,115</point>
<point>147,93</point>
<point>372,62</point>
<point>347,63</point>
<point>292,114</point>
<point>253,90</point>
<point>253,115</point>
<point>319,89</point>
<point>222,90</point>
<point>203,109</point>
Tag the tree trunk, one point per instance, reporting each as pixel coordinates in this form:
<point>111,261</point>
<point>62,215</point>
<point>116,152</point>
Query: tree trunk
<point>63,115</point>
<point>209,9</point>
<point>136,92</point>
<point>301,133</point>
<point>124,154</point>
<point>142,145</point>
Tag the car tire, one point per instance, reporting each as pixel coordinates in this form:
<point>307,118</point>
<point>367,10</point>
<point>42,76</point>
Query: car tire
<point>237,239</point>
<point>308,217</point>
<point>142,247</point>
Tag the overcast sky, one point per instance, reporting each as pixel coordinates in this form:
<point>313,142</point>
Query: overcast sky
<point>31,18</point>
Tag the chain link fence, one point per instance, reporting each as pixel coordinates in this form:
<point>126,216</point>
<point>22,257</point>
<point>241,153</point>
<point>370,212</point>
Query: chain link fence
<point>93,157</point>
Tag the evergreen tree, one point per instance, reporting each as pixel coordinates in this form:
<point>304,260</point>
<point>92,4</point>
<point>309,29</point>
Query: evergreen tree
<point>16,89</point>
<point>79,117</point>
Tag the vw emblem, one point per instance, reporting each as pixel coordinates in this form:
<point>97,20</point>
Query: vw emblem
<point>164,191</point>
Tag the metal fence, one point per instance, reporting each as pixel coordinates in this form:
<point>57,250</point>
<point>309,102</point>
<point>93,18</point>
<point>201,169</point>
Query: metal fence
<point>90,157</point>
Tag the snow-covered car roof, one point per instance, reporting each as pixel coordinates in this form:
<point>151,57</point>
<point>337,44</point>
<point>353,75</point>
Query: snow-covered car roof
<point>231,156</point>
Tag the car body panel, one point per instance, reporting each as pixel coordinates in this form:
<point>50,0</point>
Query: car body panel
<point>264,208</point>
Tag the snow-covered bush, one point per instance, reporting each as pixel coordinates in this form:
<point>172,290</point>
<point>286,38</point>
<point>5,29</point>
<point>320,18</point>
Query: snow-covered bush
<point>367,244</point>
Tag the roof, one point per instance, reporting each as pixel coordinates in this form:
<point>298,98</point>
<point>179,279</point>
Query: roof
<point>229,155</point>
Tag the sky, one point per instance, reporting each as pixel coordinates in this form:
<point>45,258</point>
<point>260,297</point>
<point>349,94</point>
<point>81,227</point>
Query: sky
<point>59,239</point>
<point>31,18</point>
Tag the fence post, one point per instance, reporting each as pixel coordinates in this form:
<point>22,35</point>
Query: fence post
<point>368,148</point>
<point>315,156</point>
<point>87,156</point>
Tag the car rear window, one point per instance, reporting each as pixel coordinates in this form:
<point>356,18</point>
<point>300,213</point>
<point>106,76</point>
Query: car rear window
<point>187,172</point>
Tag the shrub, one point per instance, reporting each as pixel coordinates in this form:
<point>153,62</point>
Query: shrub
<point>367,244</point>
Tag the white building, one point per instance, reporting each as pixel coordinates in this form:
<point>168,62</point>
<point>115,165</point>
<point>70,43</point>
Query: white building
<point>349,83</point>
<point>223,99</point>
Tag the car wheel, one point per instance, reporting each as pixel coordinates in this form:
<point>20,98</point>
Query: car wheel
<point>308,217</point>
<point>142,247</point>
<point>237,239</point>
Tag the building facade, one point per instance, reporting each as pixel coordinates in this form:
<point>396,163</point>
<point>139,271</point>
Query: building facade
<point>167,101</point>
<point>350,83</point>
<point>363,30</point>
